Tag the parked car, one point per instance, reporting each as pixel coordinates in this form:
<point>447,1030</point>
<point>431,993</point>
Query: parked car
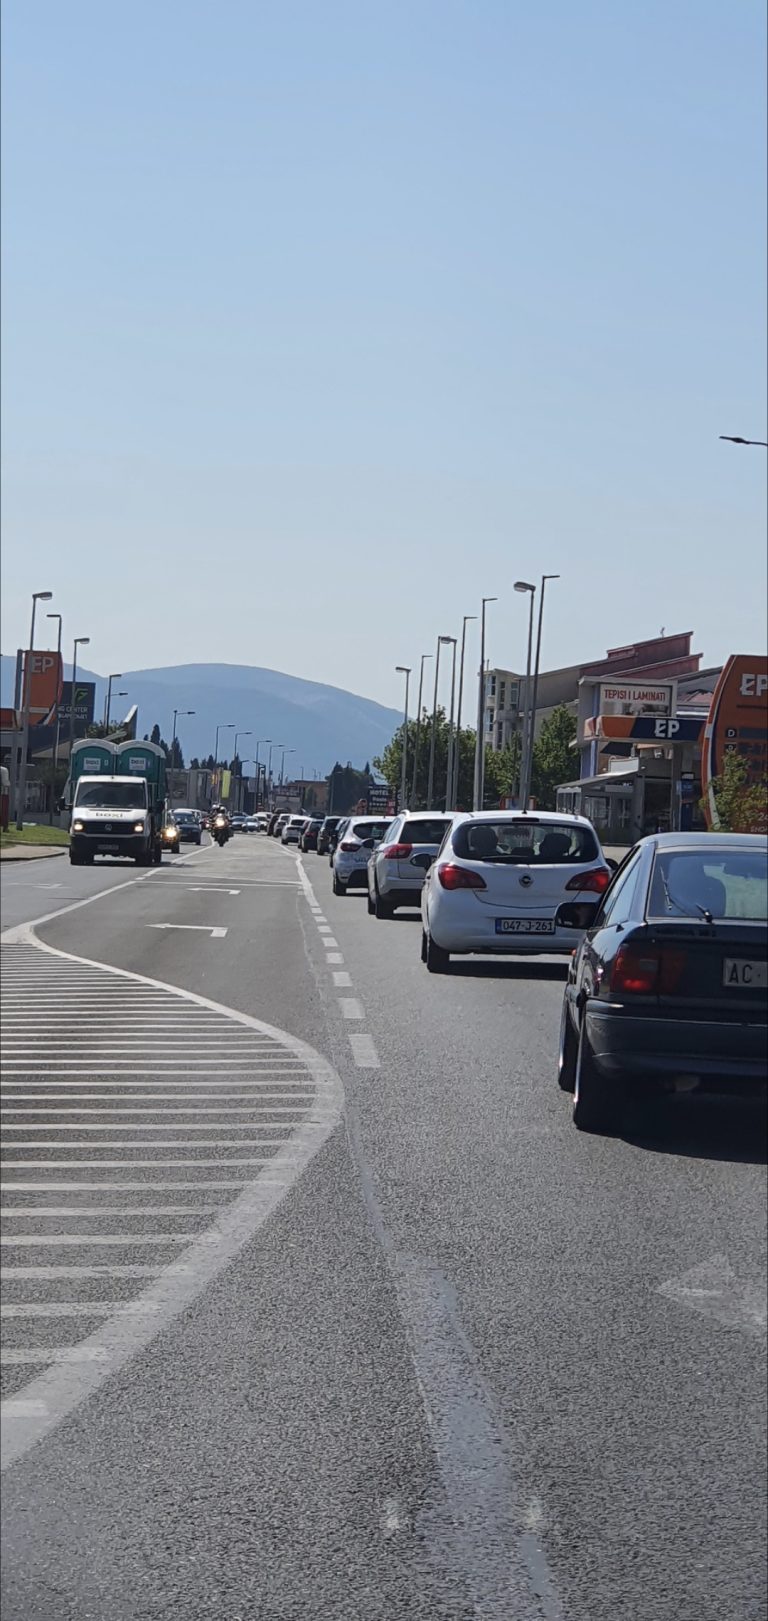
<point>334,836</point>
<point>292,829</point>
<point>511,882</point>
<point>329,824</point>
<point>353,852</point>
<point>397,870</point>
<point>279,823</point>
<point>189,826</point>
<point>309,832</point>
<point>668,990</point>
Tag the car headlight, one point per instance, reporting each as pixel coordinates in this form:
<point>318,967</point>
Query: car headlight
<point>138,827</point>
<point>77,827</point>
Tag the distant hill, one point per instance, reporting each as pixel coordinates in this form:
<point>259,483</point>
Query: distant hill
<point>321,724</point>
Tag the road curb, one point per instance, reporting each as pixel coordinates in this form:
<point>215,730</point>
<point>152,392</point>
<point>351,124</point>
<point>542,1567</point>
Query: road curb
<point>26,852</point>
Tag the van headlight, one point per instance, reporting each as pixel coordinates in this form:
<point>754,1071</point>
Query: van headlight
<point>138,827</point>
<point>77,827</point>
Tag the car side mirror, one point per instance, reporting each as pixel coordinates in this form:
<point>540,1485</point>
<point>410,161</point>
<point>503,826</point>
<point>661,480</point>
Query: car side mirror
<point>368,844</point>
<point>609,862</point>
<point>423,860</point>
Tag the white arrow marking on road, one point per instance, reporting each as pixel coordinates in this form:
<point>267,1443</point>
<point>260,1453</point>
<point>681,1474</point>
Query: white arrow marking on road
<point>211,889</point>
<point>204,928</point>
<point>714,1290</point>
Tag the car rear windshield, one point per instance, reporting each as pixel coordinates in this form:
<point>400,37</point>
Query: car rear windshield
<point>541,844</point>
<point>718,883</point>
<point>425,832</point>
<point>331,822</point>
<point>369,830</point>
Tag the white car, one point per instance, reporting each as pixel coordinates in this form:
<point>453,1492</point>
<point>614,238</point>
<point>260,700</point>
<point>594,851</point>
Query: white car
<point>292,829</point>
<point>511,882</point>
<point>262,822</point>
<point>280,824</point>
<point>396,871</point>
<point>353,851</point>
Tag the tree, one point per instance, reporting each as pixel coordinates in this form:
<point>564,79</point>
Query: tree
<point>553,759</point>
<point>740,803</point>
<point>194,764</point>
<point>154,736</point>
<point>176,756</point>
<point>500,769</point>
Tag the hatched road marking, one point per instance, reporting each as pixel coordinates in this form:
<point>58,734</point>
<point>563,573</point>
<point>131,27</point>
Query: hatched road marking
<point>94,1121</point>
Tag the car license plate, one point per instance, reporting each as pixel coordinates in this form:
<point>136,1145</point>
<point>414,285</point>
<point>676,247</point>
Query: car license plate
<point>743,974</point>
<point>362,858</point>
<point>525,925</point>
<point>107,849</point>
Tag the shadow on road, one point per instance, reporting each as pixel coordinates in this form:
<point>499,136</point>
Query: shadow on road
<point>487,968</point>
<point>702,1128</point>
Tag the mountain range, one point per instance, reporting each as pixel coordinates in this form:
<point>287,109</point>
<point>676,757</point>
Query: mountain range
<point>317,723</point>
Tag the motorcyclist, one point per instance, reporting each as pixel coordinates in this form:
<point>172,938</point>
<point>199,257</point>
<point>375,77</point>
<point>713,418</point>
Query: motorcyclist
<point>221,827</point>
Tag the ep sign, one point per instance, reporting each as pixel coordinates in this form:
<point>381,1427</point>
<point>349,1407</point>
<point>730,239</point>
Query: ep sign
<point>737,724</point>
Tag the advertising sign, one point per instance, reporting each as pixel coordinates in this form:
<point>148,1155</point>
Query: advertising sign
<point>649,728</point>
<point>43,672</point>
<point>737,724</point>
<point>85,697</point>
<point>637,697</point>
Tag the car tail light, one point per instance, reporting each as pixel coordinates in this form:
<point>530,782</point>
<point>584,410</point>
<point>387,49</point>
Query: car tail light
<point>639,971</point>
<point>349,847</point>
<point>396,852</point>
<point>453,877</point>
<point>597,880</point>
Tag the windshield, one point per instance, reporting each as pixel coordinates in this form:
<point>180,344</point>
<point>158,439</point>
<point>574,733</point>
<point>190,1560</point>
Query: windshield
<point>111,795</point>
<point>716,884</point>
<point>543,844</point>
<point>370,830</point>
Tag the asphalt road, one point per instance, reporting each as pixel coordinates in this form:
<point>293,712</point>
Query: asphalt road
<point>386,1337</point>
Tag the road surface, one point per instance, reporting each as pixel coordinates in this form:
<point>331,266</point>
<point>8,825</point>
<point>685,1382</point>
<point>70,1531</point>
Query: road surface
<point>315,1304</point>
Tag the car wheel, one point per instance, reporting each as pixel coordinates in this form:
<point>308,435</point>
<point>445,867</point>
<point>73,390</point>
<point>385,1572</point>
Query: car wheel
<point>381,907</point>
<point>436,959</point>
<point>199,840</point>
<point>371,905</point>
<point>75,860</point>
<point>598,1104</point>
<point>569,1044</point>
<point>423,946</point>
<point>338,889</point>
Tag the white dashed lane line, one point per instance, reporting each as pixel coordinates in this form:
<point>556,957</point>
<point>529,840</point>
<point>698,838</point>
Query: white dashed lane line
<point>119,1094</point>
<point>351,1008</point>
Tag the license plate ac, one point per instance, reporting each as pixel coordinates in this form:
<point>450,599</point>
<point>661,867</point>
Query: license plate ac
<point>525,925</point>
<point>742,973</point>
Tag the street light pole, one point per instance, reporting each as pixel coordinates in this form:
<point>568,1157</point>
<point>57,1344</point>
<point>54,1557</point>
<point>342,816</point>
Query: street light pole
<point>79,641</point>
<point>269,770</point>
<point>449,760</point>
<point>523,586</point>
<point>282,764</point>
<point>424,656</point>
<point>431,773</point>
<point>58,721</point>
<point>37,596</point>
<point>117,675</point>
<point>535,694</point>
<point>404,669</point>
<point>457,749</point>
<point>239,779</point>
<point>479,794</point>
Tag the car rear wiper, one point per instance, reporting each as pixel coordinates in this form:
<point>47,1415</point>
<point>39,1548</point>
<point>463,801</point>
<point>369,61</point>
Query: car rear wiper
<point>685,909</point>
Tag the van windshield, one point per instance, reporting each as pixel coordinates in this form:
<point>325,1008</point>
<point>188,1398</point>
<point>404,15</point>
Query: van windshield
<point>111,795</point>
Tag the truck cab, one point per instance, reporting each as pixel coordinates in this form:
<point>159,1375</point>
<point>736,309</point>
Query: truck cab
<point>117,800</point>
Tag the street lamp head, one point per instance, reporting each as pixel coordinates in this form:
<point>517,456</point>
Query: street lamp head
<point>53,616</point>
<point>116,675</point>
<point>82,641</point>
<point>491,599</point>
<point>403,669</point>
<point>522,585</point>
<point>447,639</point>
<point>42,596</point>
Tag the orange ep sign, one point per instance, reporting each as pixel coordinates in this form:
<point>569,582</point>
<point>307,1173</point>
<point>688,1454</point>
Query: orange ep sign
<point>737,724</point>
<point>44,672</point>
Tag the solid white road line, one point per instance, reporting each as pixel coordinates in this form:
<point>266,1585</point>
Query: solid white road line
<point>98,1240</point>
<point>263,1114</point>
<point>342,980</point>
<point>118,1185</point>
<point>108,1210</point>
<point>102,1269</point>
<point>76,1308</point>
<point>21,1357</point>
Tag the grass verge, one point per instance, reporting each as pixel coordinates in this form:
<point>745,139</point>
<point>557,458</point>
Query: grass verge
<point>33,835</point>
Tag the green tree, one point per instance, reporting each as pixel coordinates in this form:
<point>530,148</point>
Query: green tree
<point>501,770</point>
<point>741,804</point>
<point>553,758</point>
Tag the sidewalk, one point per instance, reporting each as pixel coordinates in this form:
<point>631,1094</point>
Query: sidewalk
<point>31,852</point>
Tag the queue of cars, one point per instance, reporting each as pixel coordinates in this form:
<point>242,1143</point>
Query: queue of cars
<point>667,986</point>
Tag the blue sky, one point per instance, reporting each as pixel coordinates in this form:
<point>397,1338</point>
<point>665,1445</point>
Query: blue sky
<point>322,321</point>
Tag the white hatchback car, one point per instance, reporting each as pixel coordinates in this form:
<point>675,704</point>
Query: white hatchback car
<point>396,871</point>
<point>292,830</point>
<point>511,882</point>
<point>353,851</point>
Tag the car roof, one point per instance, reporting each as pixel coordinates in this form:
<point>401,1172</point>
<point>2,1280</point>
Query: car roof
<point>382,817</point>
<point>428,816</point>
<point>518,815</point>
<point>707,841</point>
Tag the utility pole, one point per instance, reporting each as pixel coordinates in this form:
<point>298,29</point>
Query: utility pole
<point>404,669</point>
<point>414,801</point>
<point>431,773</point>
<point>523,586</point>
<point>79,641</point>
<point>457,750</point>
<point>58,722</point>
<point>449,760</point>
<point>535,695</point>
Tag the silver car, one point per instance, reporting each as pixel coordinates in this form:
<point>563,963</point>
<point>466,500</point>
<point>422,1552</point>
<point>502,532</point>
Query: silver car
<point>353,851</point>
<point>397,870</point>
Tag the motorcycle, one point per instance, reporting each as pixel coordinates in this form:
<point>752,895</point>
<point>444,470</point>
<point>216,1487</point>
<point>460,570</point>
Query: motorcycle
<point>221,830</point>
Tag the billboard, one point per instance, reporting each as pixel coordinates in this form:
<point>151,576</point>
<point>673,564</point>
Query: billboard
<point>737,723</point>
<point>43,672</point>
<point>85,698</point>
<point>637,697</point>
